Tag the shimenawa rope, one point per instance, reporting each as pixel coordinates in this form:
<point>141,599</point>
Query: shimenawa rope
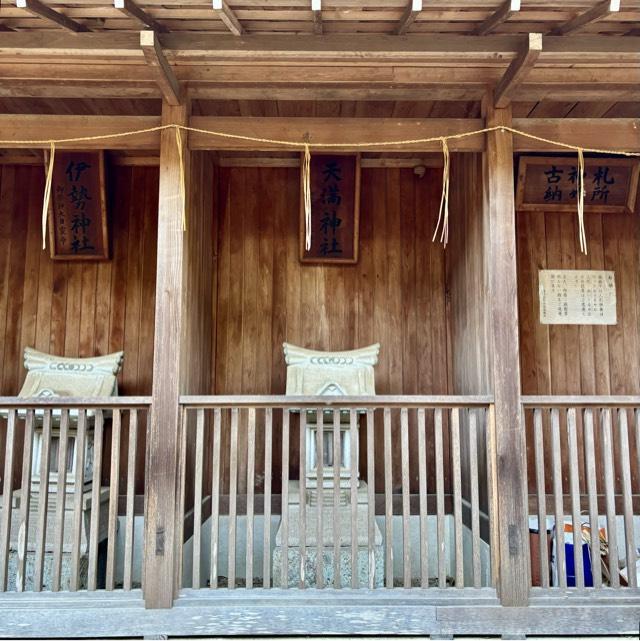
<point>306,146</point>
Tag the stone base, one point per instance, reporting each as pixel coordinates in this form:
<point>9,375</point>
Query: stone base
<point>292,557</point>
<point>311,567</point>
<point>47,575</point>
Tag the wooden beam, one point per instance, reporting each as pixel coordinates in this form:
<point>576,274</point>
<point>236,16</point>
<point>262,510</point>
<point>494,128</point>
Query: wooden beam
<point>600,11</point>
<point>606,133</point>
<point>354,49</point>
<point>41,10</point>
<point>46,127</point>
<point>518,70</point>
<point>130,9</point>
<point>169,85</point>
<point>346,130</point>
<point>162,541</point>
<point>409,16</point>
<point>508,449</point>
<point>227,15</point>
<point>506,10</point>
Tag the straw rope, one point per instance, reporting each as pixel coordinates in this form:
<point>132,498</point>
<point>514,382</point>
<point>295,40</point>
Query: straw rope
<point>47,193</point>
<point>307,146</point>
<point>183,190</point>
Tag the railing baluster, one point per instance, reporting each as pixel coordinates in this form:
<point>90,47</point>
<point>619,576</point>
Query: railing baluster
<point>181,492</point>
<point>25,499</point>
<point>78,488</point>
<point>557,498</point>
<point>114,481</point>
<point>5,516</point>
<point>475,498</point>
<point>284,578</point>
<point>457,494</point>
<point>61,498</point>
<point>251,466</point>
<point>492,461</point>
<point>592,492</point>
<point>388,499</point>
<point>303,498</point>
<point>266,540</point>
<point>627,500</point>
<point>131,495</point>
<point>371,497</point>
<point>422,482</point>
<point>92,571</point>
<point>442,572</point>
<point>284,559</point>
<point>406,507</point>
<point>320,490</point>
<point>215,497</point>
<point>197,498</point>
<point>41,531</point>
<point>233,491</point>
<point>353,451</point>
<point>542,497</point>
<point>337,465</point>
<point>610,504</point>
<point>574,488</point>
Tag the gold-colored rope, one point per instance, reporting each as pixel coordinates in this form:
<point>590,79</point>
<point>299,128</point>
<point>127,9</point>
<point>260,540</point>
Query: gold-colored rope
<point>47,193</point>
<point>443,213</point>
<point>183,189</point>
<point>307,146</point>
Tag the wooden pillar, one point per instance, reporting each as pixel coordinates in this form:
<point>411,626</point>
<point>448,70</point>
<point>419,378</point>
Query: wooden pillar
<point>513,527</point>
<point>161,548</point>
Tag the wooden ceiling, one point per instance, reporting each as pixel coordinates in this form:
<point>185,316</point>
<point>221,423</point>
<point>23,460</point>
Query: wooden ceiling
<point>336,16</point>
<point>351,59</point>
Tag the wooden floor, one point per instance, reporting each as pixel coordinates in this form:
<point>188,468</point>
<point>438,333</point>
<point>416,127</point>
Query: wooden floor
<point>241,613</point>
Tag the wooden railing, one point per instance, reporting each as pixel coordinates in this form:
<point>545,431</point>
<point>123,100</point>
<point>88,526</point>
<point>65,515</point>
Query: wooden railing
<point>59,530</point>
<point>424,517</point>
<point>584,458</point>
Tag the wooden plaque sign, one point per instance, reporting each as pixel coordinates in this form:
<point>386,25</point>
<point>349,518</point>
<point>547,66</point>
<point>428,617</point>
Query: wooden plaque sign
<point>335,204</point>
<point>550,184</point>
<point>78,216</point>
<point>577,297</point>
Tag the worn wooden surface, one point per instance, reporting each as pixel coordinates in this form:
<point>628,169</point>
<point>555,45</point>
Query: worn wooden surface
<point>409,612</point>
<point>513,532</point>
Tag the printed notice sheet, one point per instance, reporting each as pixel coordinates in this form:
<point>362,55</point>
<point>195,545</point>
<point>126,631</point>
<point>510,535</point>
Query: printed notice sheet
<point>577,297</point>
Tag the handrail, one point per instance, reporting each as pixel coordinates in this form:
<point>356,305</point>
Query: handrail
<point>341,402</point>
<point>21,402</point>
<point>580,401</point>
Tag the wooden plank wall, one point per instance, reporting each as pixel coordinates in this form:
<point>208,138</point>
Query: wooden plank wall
<point>467,278</point>
<point>586,359</point>
<point>395,295</point>
<point>81,308</point>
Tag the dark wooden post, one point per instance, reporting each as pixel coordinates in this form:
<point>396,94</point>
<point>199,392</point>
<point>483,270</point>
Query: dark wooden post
<point>161,549</point>
<point>513,528</point>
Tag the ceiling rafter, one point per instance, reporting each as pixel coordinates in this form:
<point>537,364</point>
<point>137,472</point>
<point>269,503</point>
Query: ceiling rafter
<point>518,69</point>
<point>228,16</point>
<point>130,9</point>
<point>409,16</point>
<point>506,10</point>
<point>164,76</point>
<point>600,11</point>
<point>41,10</point>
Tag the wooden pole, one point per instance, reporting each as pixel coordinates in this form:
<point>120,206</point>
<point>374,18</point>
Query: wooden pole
<point>513,531</point>
<point>161,546</point>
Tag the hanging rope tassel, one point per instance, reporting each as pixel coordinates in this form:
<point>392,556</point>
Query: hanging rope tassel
<point>47,194</point>
<point>443,214</point>
<point>183,190</point>
<point>581,230</point>
<point>306,191</point>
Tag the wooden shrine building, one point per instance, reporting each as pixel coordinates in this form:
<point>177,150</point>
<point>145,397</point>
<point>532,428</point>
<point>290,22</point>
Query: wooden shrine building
<point>161,473</point>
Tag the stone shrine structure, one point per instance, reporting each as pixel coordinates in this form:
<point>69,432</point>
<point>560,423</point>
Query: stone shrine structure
<point>317,373</point>
<point>51,376</point>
